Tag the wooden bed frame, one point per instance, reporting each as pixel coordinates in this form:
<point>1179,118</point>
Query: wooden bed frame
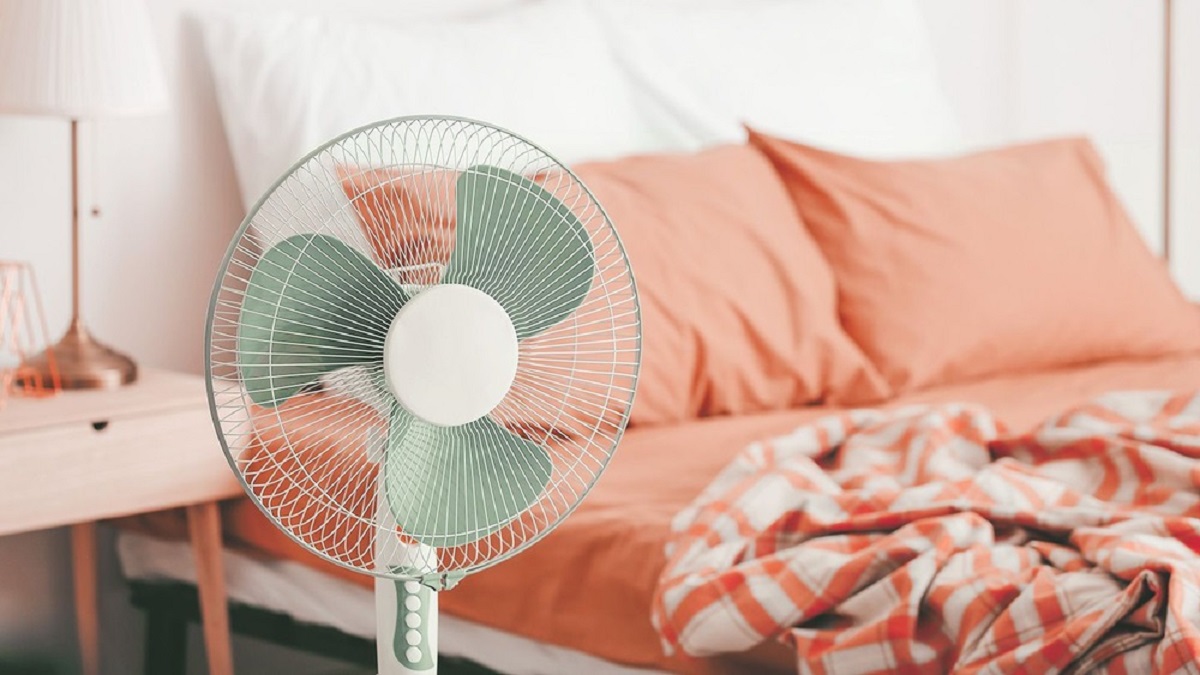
<point>171,606</point>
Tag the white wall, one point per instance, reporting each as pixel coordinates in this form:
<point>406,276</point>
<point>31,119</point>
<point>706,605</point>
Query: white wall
<point>973,40</point>
<point>1022,69</point>
<point>1095,67</point>
<point>1013,69</point>
<point>1186,154</point>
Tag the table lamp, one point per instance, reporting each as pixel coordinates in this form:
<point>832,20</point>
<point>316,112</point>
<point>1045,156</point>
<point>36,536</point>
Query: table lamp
<point>79,60</point>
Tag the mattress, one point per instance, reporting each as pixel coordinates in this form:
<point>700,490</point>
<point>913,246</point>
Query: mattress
<point>587,586</point>
<point>307,595</point>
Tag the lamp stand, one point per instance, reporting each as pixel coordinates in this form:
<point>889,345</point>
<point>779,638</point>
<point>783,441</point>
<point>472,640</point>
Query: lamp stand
<point>81,362</point>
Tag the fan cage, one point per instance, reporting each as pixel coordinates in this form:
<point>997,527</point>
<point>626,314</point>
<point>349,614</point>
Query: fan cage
<point>311,464</point>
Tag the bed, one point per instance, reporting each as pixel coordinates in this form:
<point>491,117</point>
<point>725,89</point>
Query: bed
<point>528,617</point>
<point>580,600</point>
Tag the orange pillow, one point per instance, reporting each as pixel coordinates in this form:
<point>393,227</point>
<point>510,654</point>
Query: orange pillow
<point>738,309</point>
<point>1014,259</point>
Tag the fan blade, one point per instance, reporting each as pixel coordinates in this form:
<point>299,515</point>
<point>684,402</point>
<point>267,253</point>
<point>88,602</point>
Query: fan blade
<point>521,245</point>
<point>313,305</point>
<point>449,486</point>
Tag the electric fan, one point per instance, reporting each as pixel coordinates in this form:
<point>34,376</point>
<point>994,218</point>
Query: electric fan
<point>422,350</point>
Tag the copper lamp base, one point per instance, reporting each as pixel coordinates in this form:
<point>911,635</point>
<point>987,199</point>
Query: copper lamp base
<point>81,362</point>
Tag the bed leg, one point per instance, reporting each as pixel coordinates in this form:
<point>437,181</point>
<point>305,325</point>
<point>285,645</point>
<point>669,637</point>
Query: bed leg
<point>166,644</point>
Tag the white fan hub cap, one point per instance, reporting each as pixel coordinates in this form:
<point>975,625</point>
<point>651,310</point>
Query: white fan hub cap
<point>450,355</point>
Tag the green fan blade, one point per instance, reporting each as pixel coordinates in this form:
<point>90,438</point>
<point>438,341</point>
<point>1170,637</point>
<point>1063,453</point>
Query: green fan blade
<point>449,486</point>
<point>313,304</point>
<point>521,245</point>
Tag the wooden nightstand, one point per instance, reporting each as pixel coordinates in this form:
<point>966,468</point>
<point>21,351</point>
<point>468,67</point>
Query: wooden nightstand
<point>85,456</point>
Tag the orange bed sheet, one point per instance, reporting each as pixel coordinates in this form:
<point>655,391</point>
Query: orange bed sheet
<point>588,585</point>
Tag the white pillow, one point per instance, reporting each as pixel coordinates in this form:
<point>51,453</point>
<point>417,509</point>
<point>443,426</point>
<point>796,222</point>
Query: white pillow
<point>856,76</point>
<point>287,83</point>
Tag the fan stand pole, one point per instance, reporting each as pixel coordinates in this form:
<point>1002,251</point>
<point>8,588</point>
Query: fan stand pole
<point>406,612</point>
<point>406,620</point>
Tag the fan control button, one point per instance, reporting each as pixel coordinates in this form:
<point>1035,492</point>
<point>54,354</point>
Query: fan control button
<point>412,603</point>
<point>412,587</point>
<point>413,637</point>
<point>412,620</point>
<point>413,654</point>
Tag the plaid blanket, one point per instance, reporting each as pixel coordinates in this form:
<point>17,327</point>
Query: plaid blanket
<point>928,539</point>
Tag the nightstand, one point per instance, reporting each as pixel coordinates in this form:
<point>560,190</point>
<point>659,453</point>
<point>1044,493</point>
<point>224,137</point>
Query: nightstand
<point>84,456</point>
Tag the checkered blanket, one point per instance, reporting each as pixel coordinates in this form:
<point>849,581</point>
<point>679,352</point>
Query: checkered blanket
<point>928,540</point>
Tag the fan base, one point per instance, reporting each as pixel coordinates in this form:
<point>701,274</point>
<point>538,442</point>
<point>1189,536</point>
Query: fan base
<point>77,361</point>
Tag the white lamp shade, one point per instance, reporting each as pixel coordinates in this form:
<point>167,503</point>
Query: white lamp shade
<point>79,59</point>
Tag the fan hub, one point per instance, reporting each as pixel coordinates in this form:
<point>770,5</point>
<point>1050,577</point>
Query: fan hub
<point>450,355</point>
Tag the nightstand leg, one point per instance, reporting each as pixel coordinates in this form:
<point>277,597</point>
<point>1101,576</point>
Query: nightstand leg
<point>87,624</point>
<point>204,526</point>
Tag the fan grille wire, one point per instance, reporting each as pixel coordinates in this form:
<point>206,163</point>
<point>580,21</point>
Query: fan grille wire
<point>312,463</point>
